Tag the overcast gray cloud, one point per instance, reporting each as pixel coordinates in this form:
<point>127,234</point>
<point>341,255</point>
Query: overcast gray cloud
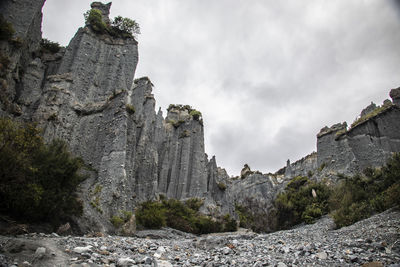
<point>267,75</point>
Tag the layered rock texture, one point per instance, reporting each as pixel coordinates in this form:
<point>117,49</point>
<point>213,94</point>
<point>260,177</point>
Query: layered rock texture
<point>369,142</point>
<point>86,94</point>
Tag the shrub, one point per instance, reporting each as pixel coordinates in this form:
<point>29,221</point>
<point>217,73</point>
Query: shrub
<point>230,224</point>
<point>49,46</point>
<point>125,25</point>
<point>194,203</point>
<point>130,109</point>
<point>120,27</point>
<point>123,217</point>
<point>94,18</point>
<point>151,215</point>
<point>221,186</point>
<point>195,114</point>
<point>37,181</point>
<point>183,216</point>
<point>297,204</point>
<point>6,29</point>
<point>117,221</point>
<point>358,197</point>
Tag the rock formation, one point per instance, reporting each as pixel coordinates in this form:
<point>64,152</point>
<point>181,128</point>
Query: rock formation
<point>86,94</point>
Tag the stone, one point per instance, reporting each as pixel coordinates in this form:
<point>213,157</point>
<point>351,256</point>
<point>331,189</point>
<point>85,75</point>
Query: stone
<point>163,263</point>
<point>281,264</point>
<point>129,228</point>
<point>322,255</point>
<point>160,251</point>
<point>226,250</point>
<point>81,250</point>
<point>125,262</point>
<point>40,252</point>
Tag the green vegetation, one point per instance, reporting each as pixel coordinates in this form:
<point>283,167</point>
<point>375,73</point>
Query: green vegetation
<point>352,199</point>
<point>362,195</point>
<point>123,217</point>
<point>184,134</point>
<point>375,112</point>
<point>6,29</point>
<point>221,186</point>
<point>98,189</point>
<point>322,166</point>
<point>48,46</point>
<point>37,181</point>
<point>130,108</point>
<point>297,204</point>
<point>195,114</point>
<point>183,216</point>
<point>120,27</point>
<point>125,27</point>
<point>94,18</point>
<point>340,133</point>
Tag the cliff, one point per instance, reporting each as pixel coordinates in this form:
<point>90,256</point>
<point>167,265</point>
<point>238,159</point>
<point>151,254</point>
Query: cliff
<point>369,142</point>
<point>86,94</point>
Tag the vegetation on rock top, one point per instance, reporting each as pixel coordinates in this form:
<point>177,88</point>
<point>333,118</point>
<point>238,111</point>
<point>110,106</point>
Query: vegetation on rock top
<point>120,27</point>
<point>378,110</point>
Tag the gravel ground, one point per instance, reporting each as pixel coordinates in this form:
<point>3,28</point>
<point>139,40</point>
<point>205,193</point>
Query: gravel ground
<point>371,242</point>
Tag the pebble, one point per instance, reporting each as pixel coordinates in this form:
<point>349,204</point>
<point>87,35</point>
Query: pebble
<point>307,245</point>
<point>83,249</point>
<point>40,252</point>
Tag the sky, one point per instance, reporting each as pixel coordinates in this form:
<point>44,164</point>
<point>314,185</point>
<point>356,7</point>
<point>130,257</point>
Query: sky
<point>267,75</point>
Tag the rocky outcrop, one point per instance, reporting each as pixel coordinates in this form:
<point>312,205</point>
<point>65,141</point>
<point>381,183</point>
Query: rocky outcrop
<point>369,142</point>
<point>86,95</point>
<point>19,51</point>
<point>303,167</point>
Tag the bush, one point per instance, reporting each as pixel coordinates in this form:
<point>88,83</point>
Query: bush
<point>120,27</point>
<point>130,109</point>
<point>358,197</point>
<point>194,203</point>
<point>195,114</point>
<point>94,18</point>
<point>37,181</point>
<point>119,220</point>
<point>125,25</point>
<point>221,186</point>
<point>6,29</point>
<point>183,216</point>
<point>151,215</point>
<point>297,204</point>
<point>49,46</point>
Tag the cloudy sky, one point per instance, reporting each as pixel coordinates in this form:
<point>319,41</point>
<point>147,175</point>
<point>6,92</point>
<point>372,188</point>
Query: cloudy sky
<point>267,75</point>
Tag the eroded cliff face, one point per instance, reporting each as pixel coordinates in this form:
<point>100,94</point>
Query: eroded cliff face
<point>86,95</point>
<point>368,143</point>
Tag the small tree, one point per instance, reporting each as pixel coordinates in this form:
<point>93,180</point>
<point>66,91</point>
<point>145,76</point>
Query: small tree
<point>126,25</point>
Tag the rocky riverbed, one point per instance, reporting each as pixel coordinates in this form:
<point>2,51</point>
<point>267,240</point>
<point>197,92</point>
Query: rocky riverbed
<point>371,242</point>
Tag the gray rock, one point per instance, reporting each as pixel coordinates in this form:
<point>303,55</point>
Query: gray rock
<point>40,252</point>
<point>83,249</point>
<point>125,262</point>
<point>322,255</point>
